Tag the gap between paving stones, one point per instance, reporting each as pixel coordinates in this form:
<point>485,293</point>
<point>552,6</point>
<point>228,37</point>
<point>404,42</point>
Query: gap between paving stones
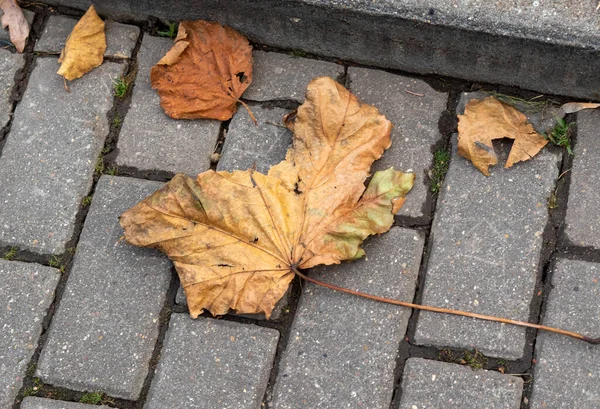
<point>412,350</point>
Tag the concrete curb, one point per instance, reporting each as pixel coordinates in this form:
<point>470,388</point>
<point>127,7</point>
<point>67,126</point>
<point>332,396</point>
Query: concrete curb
<point>553,50</point>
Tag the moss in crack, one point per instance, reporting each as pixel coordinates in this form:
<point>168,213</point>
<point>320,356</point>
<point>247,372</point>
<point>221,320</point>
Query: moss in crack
<point>11,253</point>
<point>441,162</point>
<point>560,135</point>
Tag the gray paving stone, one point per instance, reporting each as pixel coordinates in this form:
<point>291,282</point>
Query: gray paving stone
<point>583,214</point>
<point>415,131</point>
<point>342,349</point>
<point>438,385</point>
<point>48,159</point>
<point>208,363</point>
<point>9,65</point>
<point>277,76</point>
<point>26,292</point>
<point>567,373</point>
<point>487,238</point>
<point>149,139</point>
<point>5,35</point>
<point>247,144</point>
<point>33,402</point>
<point>120,38</point>
<point>103,333</point>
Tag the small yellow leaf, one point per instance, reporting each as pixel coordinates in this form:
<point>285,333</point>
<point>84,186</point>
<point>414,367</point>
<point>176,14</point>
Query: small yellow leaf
<point>490,119</point>
<point>85,46</point>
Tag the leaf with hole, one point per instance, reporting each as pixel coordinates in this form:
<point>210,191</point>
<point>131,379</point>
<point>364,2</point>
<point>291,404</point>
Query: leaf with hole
<point>205,72</point>
<point>489,119</point>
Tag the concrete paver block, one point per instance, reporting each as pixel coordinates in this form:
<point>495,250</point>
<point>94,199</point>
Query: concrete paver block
<point>149,139</point>
<point>48,159</point>
<point>208,363</point>
<point>567,372</point>
<point>26,293</point>
<point>103,333</point>
<point>415,131</point>
<point>277,76</point>
<point>486,245</point>
<point>247,144</point>
<point>9,65</point>
<point>439,385</point>
<point>342,349</point>
<point>582,222</point>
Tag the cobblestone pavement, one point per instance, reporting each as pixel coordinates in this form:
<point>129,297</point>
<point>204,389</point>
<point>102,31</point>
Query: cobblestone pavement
<point>89,320</point>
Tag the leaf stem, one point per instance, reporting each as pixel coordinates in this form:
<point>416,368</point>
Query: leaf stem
<point>589,340</point>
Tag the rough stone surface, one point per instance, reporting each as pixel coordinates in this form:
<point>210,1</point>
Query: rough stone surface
<point>149,139</point>
<point>120,38</point>
<point>514,43</point>
<point>247,145</point>
<point>207,363</point>
<point>9,65</point>
<point>567,373</point>
<point>5,34</point>
<point>48,159</point>
<point>104,331</point>
<point>342,348</point>
<point>415,131</point>
<point>33,402</point>
<point>26,292</point>
<point>277,76</point>
<point>439,385</point>
<point>583,213</point>
<point>487,238</point>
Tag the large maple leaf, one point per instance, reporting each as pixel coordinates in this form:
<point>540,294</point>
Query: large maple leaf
<point>236,239</point>
<point>205,72</point>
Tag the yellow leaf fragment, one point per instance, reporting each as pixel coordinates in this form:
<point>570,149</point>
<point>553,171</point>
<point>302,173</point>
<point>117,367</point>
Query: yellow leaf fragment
<point>85,47</point>
<point>205,72</point>
<point>237,238</point>
<point>15,20</point>
<point>489,119</point>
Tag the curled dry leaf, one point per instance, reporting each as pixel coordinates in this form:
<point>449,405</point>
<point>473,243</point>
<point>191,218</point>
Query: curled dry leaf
<point>85,46</point>
<point>490,119</point>
<point>237,238</point>
<point>205,73</point>
<point>572,107</point>
<point>15,20</point>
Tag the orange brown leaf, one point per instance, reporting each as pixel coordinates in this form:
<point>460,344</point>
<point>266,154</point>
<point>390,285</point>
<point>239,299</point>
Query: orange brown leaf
<point>490,119</point>
<point>237,238</point>
<point>205,72</point>
<point>85,47</point>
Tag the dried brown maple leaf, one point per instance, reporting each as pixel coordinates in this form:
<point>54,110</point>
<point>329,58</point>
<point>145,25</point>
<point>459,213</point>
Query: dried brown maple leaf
<point>17,24</point>
<point>236,239</point>
<point>85,46</point>
<point>490,119</point>
<point>205,73</point>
